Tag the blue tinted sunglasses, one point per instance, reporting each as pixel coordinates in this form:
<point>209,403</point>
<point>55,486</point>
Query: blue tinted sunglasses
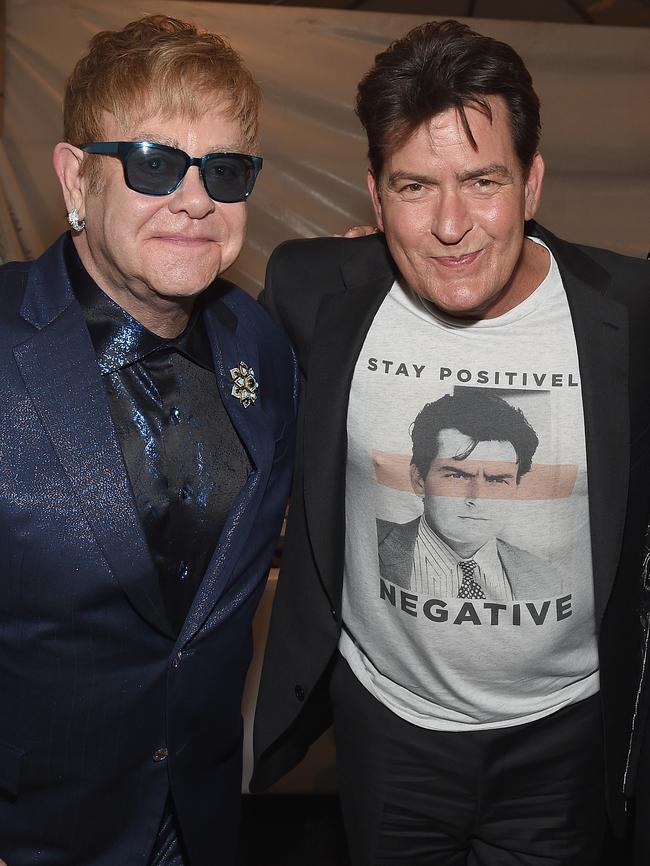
<point>156,169</point>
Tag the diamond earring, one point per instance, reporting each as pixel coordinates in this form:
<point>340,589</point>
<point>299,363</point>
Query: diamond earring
<point>73,219</point>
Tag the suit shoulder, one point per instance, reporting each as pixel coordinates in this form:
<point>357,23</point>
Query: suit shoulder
<point>629,281</point>
<point>11,269</point>
<point>13,279</point>
<point>613,263</point>
<point>624,278</point>
<point>13,275</point>
<point>301,272</point>
<point>617,263</point>
<point>317,258</point>
<point>297,249</point>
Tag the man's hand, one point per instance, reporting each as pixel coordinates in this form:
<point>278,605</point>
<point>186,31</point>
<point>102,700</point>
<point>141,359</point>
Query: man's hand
<point>354,232</point>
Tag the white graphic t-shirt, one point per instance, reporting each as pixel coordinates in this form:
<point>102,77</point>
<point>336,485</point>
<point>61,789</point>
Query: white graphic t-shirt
<point>468,593</point>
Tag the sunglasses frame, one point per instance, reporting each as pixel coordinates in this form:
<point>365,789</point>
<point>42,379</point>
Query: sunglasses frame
<point>123,149</point>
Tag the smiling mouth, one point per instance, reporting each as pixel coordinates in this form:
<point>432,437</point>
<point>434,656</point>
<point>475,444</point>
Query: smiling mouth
<point>457,261</point>
<point>183,240</point>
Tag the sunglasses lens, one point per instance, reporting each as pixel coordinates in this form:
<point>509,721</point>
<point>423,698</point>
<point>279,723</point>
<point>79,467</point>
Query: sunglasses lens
<point>154,171</point>
<point>228,177</point>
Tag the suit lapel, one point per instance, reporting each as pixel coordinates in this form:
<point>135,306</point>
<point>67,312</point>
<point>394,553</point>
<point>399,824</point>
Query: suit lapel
<point>601,331</point>
<point>60,372</point>
<point>341,326</point>
<point>230,349</point>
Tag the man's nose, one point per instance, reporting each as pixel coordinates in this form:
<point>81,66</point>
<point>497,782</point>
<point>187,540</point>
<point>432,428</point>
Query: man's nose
<point>472,491</point>
<point>191,196</point>
<point>451,219</point>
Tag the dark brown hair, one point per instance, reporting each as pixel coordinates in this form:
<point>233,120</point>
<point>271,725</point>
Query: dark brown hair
<point>438,66</point>
<point>480,415</point>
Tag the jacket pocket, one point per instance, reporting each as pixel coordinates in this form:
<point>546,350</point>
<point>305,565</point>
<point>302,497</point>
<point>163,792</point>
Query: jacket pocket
<point>11,760</point>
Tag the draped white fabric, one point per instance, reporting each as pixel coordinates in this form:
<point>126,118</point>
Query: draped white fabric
<point>594,83</point>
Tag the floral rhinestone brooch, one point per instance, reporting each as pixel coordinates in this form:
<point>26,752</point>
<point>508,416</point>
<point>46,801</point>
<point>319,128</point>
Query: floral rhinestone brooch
<point>245,385</point>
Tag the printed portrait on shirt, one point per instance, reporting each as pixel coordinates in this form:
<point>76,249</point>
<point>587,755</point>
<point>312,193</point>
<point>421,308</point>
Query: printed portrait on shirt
<point>472,466</point>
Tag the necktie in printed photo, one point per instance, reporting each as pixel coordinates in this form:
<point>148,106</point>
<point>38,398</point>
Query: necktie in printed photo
<point>469,588</point>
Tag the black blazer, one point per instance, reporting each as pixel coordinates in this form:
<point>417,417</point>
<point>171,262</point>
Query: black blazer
<point>102,706</point>
<point>325,293</point>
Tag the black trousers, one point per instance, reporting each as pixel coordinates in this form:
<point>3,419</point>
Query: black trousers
<point>530,795</point>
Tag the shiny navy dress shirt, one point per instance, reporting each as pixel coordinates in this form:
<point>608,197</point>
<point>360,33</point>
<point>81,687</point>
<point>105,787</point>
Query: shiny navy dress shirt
<point>184,459</point>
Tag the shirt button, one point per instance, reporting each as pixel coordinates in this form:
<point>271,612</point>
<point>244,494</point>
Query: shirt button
<point>175,414</point>
<point>160,755</point>
<point>300,693</point>
<point>183,570</point>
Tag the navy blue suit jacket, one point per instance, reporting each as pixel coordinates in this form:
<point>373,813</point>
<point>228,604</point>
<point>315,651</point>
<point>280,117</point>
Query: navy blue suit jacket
<point>103,707</point>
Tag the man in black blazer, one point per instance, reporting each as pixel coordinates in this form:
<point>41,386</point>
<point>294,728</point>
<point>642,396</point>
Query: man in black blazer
<point>466,731</point>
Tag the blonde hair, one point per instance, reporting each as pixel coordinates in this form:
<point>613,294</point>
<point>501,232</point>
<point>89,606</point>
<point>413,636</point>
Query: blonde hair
<point>158,65</point>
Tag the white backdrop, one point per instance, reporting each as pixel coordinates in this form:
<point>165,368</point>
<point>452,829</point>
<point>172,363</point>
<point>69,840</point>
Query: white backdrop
<point>594,83</point>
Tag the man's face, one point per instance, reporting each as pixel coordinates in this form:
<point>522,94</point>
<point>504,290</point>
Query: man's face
<point>465,501</point>
<point>150,252</point>
<point>454,216</point>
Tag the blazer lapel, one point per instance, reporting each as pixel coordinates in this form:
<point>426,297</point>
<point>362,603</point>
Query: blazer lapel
<point>601,331</point>
<point>341,326</point>
<point>60,372</point>
<point>230,351</point>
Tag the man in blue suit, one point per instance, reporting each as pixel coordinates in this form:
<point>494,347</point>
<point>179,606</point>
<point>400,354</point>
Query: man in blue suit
<point>146,431</point>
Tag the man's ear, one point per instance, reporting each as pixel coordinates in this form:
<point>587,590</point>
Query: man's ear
<point>67,160</point>
<point>417,482</point>
<point>533,186</point>
<point>375,196</point>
